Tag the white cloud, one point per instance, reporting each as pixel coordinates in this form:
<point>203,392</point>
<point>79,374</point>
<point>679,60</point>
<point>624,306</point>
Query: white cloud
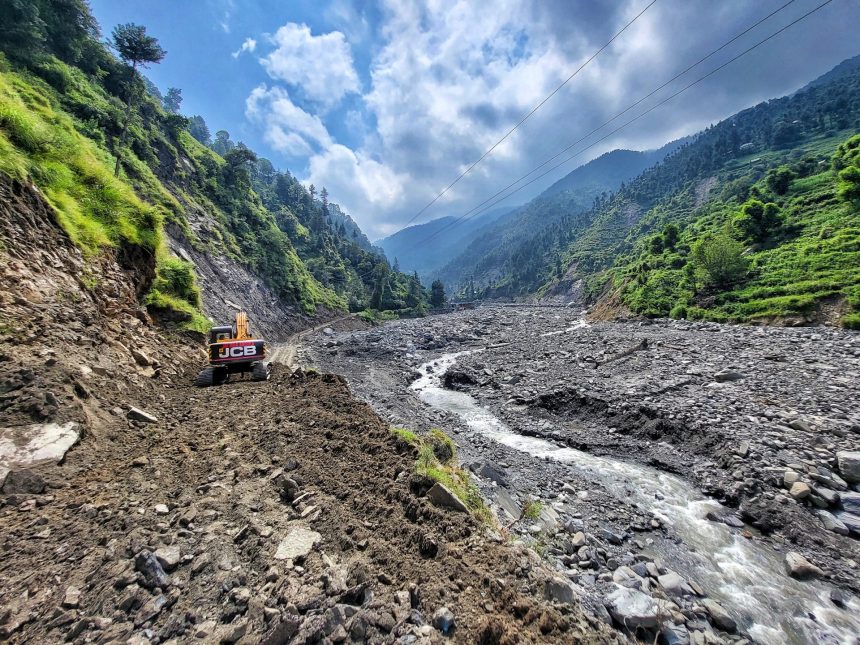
<point>287,127</point>
<point>363,186</point>
<point>319,67</point>
<point>248,46</point>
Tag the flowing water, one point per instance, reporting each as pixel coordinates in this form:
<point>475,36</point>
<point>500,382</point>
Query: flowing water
<point>746,577</point>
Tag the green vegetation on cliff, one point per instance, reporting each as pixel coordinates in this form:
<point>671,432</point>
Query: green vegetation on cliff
<point>70,110</point>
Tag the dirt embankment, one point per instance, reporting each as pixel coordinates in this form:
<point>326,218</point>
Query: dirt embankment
<point>255,512</point>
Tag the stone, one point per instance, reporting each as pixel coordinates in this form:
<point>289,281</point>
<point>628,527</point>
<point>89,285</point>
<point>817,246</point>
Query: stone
<point>441,496</point>
<point>298,543</point>
<point>850,520</point>
<point>831,497</point>
<point>719,616</point>
<point>558,589</point>
<point>23,482</point>
<point>140,358</point>
<point>832,523</point>
<point>168,557</point>
<point>801,568</point>
<point>727,376</point>
<point>161,509</point>
<point>72,598</point>
<point>675,634</point>
<point>611,537</point>
<point>850,502</point>
<point>674,584</point>
<point>849,465</point>
<point>789,477</point>
<point>634,609</point>
<point>578,539</point>
<point>443,620</point>
<point>149,566</point>
<point>150,610</point>
<point>25,446</point>
<point>799,490</point>
<point>136,414</point>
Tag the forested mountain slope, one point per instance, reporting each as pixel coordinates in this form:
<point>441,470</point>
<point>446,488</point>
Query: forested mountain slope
<point>428,247</point>
<point>69,108</point>
<point>768,185</point>
<point>504,258</point>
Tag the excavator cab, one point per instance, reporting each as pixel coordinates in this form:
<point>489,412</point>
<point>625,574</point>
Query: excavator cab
<point>232,349</point>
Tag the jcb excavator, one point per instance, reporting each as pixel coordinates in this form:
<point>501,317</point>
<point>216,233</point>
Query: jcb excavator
<point>232,349</point>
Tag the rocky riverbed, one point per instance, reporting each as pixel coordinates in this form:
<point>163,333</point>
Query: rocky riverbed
<point>694,478</point>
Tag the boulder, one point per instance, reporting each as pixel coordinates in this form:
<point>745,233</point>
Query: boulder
<point>849,465</point>
<point>674,584</point>
<point>799,490</point>
<point>727,376</point>
<point>801,568</point>
<point>558,589</point>
<point>832,523</point>
<point>440,495</point>
<point>850,520</point>
<point>297,544</point>
<point>153,575</point>
<point>23,482</point>
<point>443,620</point>
<point>850,502</point>
<point>634,609</point>
<point>168,557</point>
<point>136,414</point>
<point>719,616</point>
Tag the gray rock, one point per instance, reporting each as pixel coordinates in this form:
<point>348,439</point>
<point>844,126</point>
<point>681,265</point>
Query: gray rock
<point>23,482</point>
<point>136,414</point>
<point>799,490</point>
<point>635,609</point>
<point>829,496</point>
<point>140,358</point>
<point>611,537</point>
<point>674,584</point>
<point>727,376</point>
<point>789,477</point>
<point>719,616</point>
<point>440,495</point>
<point>578,539</point>
<point>832,523</point>
<point>850,502</point>
<point>153,575</point>
<point>801,568</point>
<point>72,598</point>
<point>675,634</point>
<point>443,620</point>
<point>850,520</point>
<point>849,465</point>
<point>558,589</point>
<point>168,557</point>
<point>297,544</point>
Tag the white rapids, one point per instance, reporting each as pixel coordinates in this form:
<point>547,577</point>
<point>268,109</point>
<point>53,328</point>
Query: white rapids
<point>746,577</point>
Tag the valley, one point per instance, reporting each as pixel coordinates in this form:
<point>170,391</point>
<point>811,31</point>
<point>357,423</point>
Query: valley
<point>661,454</point>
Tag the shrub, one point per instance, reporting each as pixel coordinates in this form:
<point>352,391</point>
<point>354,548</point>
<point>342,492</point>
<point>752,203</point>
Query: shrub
<point>721,259</point>
<point>176,277</point>
<point>679,311</point>
<point>851,321</point>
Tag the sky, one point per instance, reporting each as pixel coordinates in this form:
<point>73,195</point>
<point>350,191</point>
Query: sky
<point>386,103</point>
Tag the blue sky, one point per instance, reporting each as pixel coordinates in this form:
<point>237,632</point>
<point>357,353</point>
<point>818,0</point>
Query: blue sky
<point>386,102</point>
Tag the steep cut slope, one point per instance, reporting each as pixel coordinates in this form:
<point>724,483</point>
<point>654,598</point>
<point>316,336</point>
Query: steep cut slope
<point>511,256</point>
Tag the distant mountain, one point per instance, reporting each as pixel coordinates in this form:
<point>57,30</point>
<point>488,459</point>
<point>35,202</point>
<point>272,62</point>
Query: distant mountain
<point>846,67</point>
<point>496,252</point>
<point>427,247</point>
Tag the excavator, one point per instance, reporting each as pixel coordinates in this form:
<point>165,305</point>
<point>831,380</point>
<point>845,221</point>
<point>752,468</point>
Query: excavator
<point>232,350</point>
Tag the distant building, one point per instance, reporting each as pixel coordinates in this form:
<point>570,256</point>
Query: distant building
<point>747,146</point>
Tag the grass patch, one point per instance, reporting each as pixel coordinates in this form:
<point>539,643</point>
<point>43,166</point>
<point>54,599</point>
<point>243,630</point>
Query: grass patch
<point>445,470</point>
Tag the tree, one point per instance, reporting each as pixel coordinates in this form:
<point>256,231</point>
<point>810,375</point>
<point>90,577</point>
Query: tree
<point>222,144</point>
<point>437,294</point>
<point>757,221</point>
<point>135,48</point>
<point>172,100</point>
<point>199,130</point>
<point>780,179</point>
<point>721,258</point>
<point>849,183</point>
<point>670,236</point>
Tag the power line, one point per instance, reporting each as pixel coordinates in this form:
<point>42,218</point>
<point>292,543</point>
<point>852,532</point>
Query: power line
<point>481,208</point>
<point>527,116</point>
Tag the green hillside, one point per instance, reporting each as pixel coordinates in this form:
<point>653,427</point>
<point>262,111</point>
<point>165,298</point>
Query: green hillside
<point>749,220</point>
<point>69,108</point>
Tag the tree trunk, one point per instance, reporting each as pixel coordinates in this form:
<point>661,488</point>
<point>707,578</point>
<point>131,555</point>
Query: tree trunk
<point>124,131</point>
